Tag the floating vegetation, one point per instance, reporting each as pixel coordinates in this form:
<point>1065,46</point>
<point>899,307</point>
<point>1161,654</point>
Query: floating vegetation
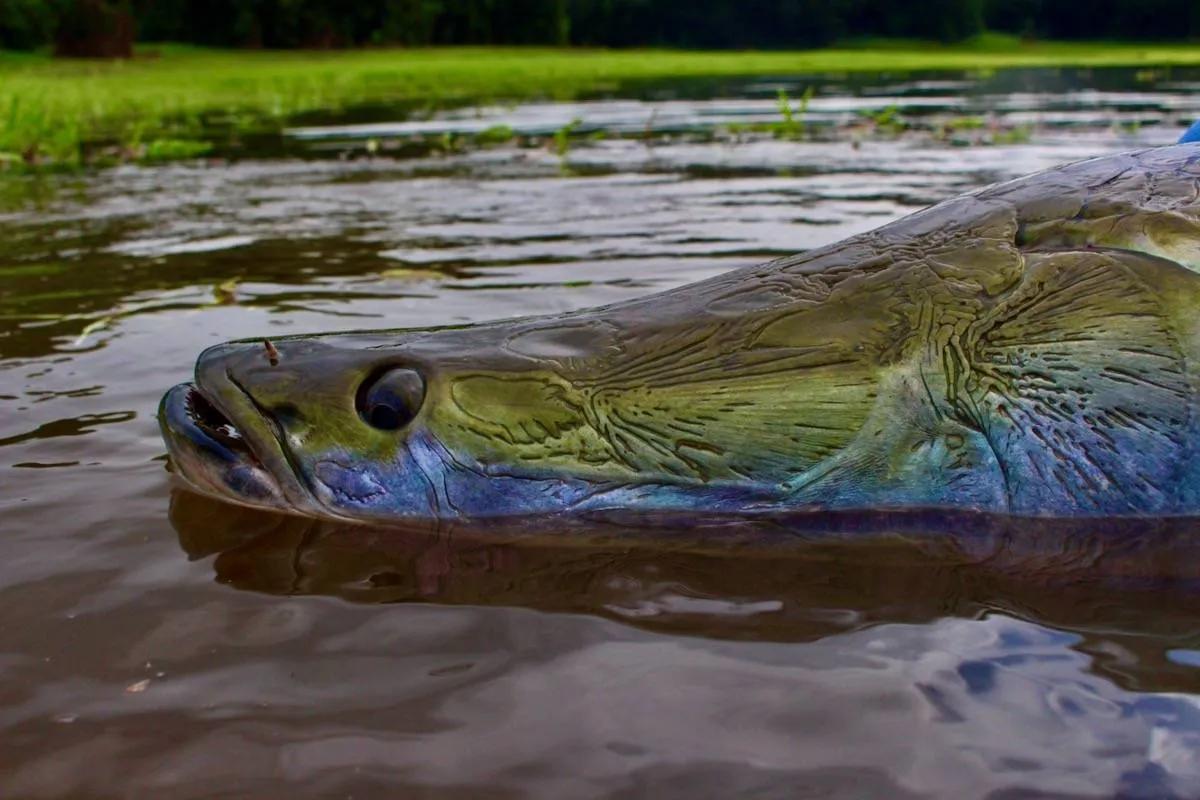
<point>792,125</point>
<point>497,134</point>
<point>225,292</point>
<point>1019,134</point>
<point>967,123</point>
<point>446,143</point>
<point>887,120</point>
<point>562,137</point>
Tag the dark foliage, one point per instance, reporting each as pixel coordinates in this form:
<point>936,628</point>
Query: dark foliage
<point>26,23</point>
<point>1099,19</point>
<point>93,28</point>
<point>102,27</point>
<point>336,23</point>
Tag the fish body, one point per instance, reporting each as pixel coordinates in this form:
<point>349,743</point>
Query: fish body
<point>1032,348</point>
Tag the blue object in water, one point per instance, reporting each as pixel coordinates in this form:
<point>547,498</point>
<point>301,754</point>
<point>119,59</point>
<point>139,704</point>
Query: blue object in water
<point>1192,134</point>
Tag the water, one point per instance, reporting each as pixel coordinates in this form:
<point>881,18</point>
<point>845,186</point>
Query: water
<point>153,642</point>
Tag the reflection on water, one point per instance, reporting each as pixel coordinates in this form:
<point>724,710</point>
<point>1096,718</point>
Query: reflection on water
<point>838,656</point>
<point>1121,586</point>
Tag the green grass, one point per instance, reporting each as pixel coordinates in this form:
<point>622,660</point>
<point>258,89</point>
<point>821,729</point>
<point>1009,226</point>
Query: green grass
<point>164,103</point>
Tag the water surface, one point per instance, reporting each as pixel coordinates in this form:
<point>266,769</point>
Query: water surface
<point>153,642</point>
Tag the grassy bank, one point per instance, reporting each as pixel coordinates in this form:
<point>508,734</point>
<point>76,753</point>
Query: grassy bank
<point>160,104</point>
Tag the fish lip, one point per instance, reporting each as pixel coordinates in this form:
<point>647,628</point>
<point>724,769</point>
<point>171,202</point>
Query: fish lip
<point>223,445</point>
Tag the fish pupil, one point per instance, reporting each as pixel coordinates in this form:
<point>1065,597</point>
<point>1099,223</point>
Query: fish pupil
<point>383,417</point>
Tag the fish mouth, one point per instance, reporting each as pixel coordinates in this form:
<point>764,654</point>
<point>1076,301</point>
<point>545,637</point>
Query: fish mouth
<point>241,461</point>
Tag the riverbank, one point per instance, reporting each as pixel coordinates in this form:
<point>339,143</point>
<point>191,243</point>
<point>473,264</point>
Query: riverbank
<point>172,101</point>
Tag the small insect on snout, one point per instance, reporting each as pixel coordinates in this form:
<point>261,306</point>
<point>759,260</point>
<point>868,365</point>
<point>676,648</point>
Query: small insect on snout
<point>272,353</point>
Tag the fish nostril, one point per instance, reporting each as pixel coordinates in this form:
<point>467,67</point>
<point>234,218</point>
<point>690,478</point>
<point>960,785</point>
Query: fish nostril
<point>390,399</point>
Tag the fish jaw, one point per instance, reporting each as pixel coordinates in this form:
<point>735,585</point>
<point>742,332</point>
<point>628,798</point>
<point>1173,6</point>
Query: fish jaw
<point>211,455</point>
<point>221,442</point>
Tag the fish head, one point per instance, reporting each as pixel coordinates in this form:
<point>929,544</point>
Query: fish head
<point>345,425</point>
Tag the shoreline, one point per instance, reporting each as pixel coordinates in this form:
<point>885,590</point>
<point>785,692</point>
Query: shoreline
<point>170,102</point>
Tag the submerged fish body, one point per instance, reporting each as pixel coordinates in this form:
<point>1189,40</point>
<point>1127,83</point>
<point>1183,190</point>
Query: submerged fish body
<point>1030,348</point>
<point>1125,589</point>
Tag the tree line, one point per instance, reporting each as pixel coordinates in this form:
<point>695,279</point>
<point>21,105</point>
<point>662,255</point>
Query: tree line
<point>109,27</point>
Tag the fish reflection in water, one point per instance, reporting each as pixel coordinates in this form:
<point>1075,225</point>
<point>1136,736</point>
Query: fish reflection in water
<point>1128,588</point>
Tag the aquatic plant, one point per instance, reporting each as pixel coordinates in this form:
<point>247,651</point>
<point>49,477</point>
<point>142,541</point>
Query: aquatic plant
<point>964,123</point>
<point>1016,135</point>
<point>887,120</point>
<point>562,137</point>
<point>961,130</point>
<point>792,125</point>
<point>496,134</point>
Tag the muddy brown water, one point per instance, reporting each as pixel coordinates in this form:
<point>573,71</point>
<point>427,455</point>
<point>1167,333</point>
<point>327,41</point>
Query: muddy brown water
<point>155,643</point>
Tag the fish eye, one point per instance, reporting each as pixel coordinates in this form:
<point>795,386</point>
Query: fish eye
<point>388,400</point>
